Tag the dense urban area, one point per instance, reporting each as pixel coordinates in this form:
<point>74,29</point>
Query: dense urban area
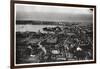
<point>64,42</point>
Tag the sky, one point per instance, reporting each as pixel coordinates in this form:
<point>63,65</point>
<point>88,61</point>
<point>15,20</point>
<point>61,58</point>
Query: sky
<point>52,13</point>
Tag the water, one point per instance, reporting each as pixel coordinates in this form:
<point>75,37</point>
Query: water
<point>32,28</point>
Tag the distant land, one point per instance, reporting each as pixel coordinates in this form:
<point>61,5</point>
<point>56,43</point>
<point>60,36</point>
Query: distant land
<point>23,22</point>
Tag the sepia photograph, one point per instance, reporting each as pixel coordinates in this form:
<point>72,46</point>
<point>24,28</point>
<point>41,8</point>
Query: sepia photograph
<point>53,34</point>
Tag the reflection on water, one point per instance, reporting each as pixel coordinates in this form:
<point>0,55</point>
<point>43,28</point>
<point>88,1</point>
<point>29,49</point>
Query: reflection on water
<point>32,28</point>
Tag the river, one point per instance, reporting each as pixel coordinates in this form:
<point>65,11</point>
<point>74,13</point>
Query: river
<point>32,28</point>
